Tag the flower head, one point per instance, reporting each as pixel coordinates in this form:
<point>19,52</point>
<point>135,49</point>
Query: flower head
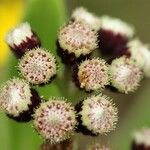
<point>125,74</point>
<point>38,66</point>
<point>55,120</point>
<point>77,38</point>
<point>93,74</point>
<point>15,97</point>
<point>98,114</point>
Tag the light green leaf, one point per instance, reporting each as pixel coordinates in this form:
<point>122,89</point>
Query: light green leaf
<point>45,17</point>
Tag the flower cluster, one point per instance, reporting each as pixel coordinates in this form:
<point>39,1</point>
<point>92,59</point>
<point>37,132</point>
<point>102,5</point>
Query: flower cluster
<point>121,64</point>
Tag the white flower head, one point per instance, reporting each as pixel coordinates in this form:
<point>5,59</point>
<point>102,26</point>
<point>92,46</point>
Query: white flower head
<point>15,97</point>
<point>77,38</point>
<point>38,66</point>
<point>93,74</point>
<point>125,74</point>
<point>55,120</point>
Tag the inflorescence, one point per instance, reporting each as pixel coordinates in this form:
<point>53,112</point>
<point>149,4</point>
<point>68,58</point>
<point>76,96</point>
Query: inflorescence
<point>97,114</point>
<point>120,63</point>
<point>92,74</point>
<point>38,66</point>
<point>55,120</point>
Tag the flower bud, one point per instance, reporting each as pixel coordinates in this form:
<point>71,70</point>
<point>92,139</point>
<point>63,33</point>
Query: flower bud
<point>97,114</point>
<point>38,66</point>
<point>21,39</point>
<point>18,100</point>
<point>113,36</point>
<point>92,74</point>
<point>55,120</point>
<point>76,40</point>
<point>125,74</point>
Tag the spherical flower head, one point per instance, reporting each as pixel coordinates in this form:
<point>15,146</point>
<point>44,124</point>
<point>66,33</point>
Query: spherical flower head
<point>93,74</point>
<point>83,15</point>
<point>77,38</point>
<point>22,38</point>
<point>98,114</point>
<point>140,53</point>
<point>125,74</point>
<point>113,36</point>
<point>38,66</point>
<point>55,120</point>
<point>141,139</point>
<point>15,97</point>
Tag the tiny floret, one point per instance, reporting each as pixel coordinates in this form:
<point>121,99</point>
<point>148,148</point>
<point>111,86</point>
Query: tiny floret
<point>38,66</point>
<point>93,74</point>
<point>83,15</point>
<point>98,114</point>
<point>55,120</point>
<point>77,38</point>
<point>125,74</point>
<point>15,97</point>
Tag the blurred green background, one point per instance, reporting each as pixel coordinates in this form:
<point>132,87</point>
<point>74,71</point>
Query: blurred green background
<point>45,17</point>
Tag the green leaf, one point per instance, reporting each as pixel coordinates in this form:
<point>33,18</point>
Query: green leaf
<point>45,17</point>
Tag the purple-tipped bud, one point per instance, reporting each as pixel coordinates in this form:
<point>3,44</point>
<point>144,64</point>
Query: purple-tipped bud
<point>21,39</point>
<point>113,36</point>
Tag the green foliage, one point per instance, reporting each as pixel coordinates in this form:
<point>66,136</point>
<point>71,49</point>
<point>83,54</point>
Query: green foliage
<point>45,17</point>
